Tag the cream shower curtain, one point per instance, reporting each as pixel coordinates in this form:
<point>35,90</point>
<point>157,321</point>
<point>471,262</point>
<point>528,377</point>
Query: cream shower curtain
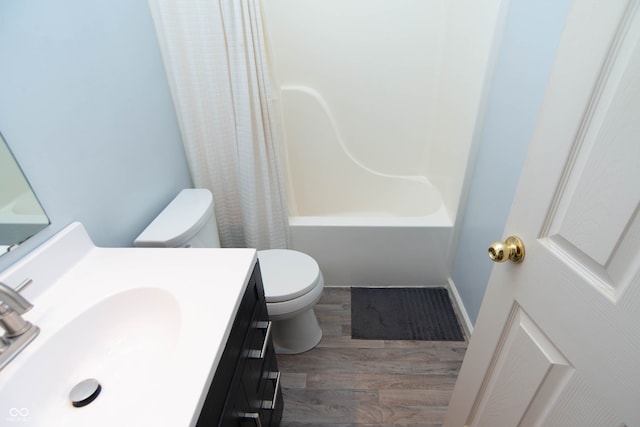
<point>214,55</point>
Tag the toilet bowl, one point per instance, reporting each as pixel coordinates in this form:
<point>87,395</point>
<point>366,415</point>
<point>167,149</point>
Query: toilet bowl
<point>292,284</point>
<point>292,280</point>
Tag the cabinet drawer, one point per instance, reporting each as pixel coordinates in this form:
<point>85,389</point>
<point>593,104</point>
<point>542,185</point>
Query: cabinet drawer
<point>269,390</point>
<point>258,340</point>
<point>235,409</point>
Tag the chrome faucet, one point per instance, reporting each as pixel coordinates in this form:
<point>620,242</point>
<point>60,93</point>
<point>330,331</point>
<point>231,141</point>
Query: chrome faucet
<point>18,332</point>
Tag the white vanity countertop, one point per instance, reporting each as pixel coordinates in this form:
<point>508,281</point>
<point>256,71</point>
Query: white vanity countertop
<point>205,287</point>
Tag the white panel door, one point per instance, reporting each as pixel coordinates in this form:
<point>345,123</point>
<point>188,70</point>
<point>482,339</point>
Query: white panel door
<point>557,341</point>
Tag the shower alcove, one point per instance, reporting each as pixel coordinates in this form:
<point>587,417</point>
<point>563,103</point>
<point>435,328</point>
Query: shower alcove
<point>379,102</point>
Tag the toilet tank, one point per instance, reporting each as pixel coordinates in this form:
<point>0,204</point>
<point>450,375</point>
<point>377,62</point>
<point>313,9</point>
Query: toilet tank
<point>188,221</point>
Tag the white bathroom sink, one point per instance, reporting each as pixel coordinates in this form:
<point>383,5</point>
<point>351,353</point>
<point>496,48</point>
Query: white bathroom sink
<point>122,342</point>
<point>148,324</point>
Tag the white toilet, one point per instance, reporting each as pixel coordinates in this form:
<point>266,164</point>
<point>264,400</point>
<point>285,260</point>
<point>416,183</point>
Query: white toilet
<point>292,280</point>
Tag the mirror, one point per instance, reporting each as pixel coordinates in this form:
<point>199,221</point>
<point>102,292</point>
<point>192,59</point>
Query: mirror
<point>21,215</point>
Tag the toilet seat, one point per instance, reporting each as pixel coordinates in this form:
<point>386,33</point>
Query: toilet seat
<point>287,274</point>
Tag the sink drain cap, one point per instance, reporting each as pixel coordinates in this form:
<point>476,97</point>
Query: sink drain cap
<point>85,392</point>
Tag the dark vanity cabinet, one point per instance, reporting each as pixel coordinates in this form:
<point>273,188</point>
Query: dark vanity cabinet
<point>246,387</point>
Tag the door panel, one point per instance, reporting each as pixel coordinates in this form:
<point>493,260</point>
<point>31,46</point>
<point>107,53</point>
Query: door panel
<point>594,220</point>
<point>526,362</point>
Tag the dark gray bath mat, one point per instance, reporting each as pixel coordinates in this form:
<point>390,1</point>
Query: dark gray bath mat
<point>403,314</point>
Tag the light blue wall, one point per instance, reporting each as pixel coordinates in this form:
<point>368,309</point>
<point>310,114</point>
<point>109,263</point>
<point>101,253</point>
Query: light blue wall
<point>531,36</point>
<point>86,109</point>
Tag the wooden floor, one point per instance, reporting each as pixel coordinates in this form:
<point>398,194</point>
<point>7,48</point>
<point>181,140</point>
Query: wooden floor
<point>346,382</point>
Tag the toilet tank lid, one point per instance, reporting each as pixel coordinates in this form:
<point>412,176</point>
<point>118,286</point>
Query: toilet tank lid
<point>180,221</point>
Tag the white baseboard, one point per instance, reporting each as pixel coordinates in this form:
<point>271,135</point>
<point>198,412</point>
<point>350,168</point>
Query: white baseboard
<point>466,321</point>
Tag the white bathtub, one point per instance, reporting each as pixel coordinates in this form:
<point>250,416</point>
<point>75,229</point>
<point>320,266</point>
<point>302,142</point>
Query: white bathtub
<point>376,251</point>
<point>364,228</point>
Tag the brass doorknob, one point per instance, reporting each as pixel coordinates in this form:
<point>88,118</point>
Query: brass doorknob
<point>511,249</point>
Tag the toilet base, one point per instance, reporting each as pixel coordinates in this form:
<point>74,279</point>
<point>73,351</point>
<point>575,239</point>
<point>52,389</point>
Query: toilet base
<point>296,334</point>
